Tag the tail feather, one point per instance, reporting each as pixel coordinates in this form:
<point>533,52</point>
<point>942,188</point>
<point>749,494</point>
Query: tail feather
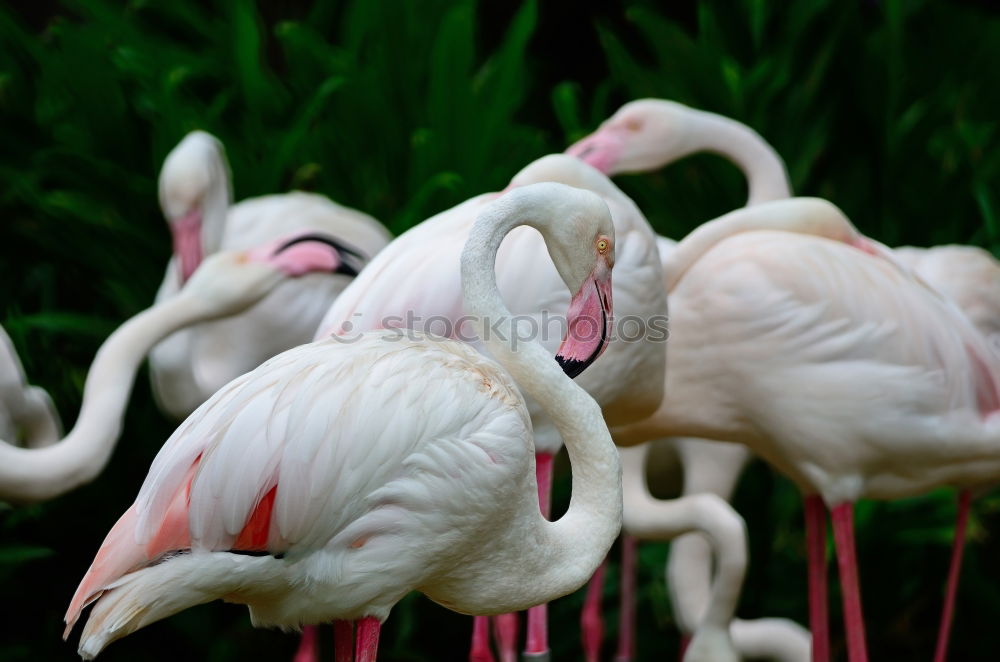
<point>147,595</point>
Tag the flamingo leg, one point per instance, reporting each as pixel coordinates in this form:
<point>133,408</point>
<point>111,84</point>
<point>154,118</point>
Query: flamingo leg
<point>682,649</point>
<point>954,570</point>
<point>343,641</point>
<point>505,634</point>
<point>366,647</point>
<point>815,512</point>
<point>308,650</point>
<point>591,624</point>
<point>480,651</point>
<point>847,564</point>
<point>626,614</point>
<point>537,644</point>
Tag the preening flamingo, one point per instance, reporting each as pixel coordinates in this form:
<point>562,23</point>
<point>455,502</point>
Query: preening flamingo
<point>342,474</point>
<point>227,283</point>
<point>414,283</point>
<point>27,415</point>
<point>969,276</point>
<point>195,197</point>
<point>832,363</point>
<point>645,135</point>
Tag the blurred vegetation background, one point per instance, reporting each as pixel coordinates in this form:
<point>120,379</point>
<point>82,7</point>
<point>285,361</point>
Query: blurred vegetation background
<point>888,108</point>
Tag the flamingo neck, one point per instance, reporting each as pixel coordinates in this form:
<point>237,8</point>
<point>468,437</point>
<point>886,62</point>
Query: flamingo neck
<point>557,557</point>
<point>811,216</point>
<point>760,164</point>
<point>43,473</point>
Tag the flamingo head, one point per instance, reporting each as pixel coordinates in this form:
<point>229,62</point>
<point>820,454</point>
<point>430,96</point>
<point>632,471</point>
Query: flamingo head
<point>585,267</point>
<point>643,135</point>
<point>231,281</point>
<point>194,180</point>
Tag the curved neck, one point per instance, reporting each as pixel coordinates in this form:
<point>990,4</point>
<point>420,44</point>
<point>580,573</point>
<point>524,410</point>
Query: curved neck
<point>43,473</point>
<point>556,557</point>
<point>761,165</point>
<point>811,216</point>
<point>656,519</point>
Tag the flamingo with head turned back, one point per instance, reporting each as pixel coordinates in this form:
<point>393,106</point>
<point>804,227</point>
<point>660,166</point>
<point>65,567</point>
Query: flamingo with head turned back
<point>413,281</point>
<point>645,135</point>
<point>228,283</point>
<point>834,364</point>
<point>27,414</point>
<point>969,276</point>
<point>282,492</point>
<point>195,197</point>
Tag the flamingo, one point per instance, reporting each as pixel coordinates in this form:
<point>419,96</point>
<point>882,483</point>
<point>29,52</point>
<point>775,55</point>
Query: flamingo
<point>227,283</point>
<point>650,133</point>
<point>26,412</point>
<point>284,492</point>
<point>413,283</point>
<point>834,364</point>
<point>969,276</point>
<point>195,196</point>
<point>644,135</point>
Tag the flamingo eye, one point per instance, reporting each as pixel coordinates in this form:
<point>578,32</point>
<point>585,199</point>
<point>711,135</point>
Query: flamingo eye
<point>602,246</point>
<point>633,125</point>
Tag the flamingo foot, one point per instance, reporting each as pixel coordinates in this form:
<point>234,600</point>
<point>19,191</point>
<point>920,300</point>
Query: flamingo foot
<point>308,650</point>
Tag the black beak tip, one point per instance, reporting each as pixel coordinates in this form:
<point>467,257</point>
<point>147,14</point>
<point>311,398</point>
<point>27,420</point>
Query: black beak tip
<point>572,367</point>
<point>346,269</point>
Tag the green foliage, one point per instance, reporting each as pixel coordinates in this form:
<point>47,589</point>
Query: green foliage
<point>403,109</point>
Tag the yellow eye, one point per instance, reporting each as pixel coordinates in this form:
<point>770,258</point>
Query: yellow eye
<point>602,246</point>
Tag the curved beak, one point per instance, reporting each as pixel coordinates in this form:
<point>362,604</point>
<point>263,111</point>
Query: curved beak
<point>306,253</point>
<point>186,232</point>
<point>588,324</point>
<point>600,149</point>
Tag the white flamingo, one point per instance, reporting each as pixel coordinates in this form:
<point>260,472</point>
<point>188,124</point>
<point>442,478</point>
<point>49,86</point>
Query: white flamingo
<point>649,133</point>
<point>413,282</point>
<point>645,135</point>
<point>228,283</point>
<point>354,471</point>
<point>27,414</point>
<point>832,363</point>
<point>195,196</point>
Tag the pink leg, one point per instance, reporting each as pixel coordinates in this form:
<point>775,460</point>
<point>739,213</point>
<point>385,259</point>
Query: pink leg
<point>590,619</point>
<point>537,643</point>
<point>954,570</point>
<point>815,511</point>
<point>626,615</point>
<point>343,641</point>
<point>481,640</point>
<point>366,649</point>
<point>505,634</point>
<point>308,650</point>
<point>685,642</point>
<point>847,564</point>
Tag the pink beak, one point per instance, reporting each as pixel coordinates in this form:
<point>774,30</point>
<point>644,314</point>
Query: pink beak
<point>186,232</point>
<point>588,325</point>
<point>600,150</point>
